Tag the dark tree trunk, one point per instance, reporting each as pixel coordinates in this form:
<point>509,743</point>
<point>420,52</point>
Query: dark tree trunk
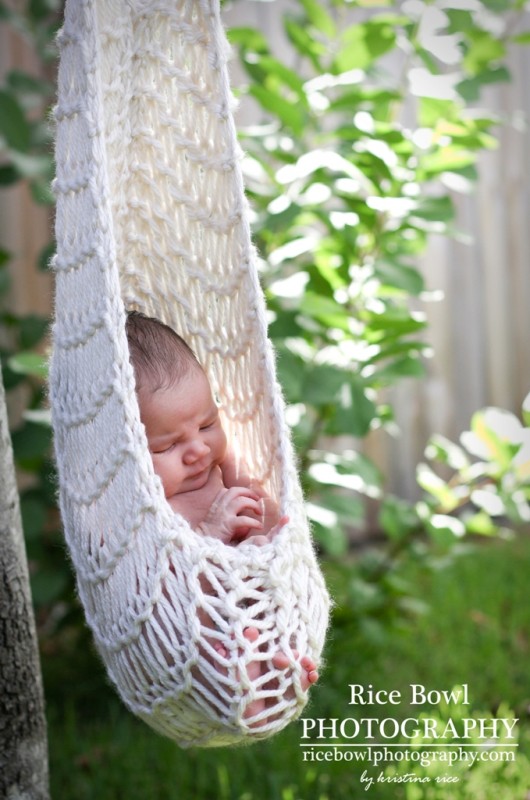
<point>23,744</point>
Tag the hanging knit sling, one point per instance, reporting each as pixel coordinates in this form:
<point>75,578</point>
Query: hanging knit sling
<point>151,215</point>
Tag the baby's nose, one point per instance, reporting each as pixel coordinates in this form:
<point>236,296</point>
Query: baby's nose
<point>195,451</point>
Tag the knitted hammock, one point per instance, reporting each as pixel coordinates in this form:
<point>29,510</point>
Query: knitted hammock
<point>151,215</point>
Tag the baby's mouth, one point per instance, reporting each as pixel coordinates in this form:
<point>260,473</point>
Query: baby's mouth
<point>200,472</point>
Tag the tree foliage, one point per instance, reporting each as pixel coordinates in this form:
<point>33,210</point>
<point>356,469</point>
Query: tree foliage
<point>366,126</point>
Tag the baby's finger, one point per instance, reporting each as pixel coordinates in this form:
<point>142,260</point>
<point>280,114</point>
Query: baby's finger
<point>237,491</point>
<point>246,504</point>
<point>242,524</point>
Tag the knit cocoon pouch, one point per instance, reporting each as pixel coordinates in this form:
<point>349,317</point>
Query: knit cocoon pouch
<point>151,215</point>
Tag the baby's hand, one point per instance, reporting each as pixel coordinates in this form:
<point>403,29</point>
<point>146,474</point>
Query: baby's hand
<point>234,513</point>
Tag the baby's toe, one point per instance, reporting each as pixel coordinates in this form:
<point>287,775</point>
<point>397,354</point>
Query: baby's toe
<point>308,664</point>
<point>312,676</point>
<point>280,661</point>
<point>251,634</point>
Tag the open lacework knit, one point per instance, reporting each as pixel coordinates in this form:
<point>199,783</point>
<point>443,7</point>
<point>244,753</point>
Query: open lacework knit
<point>151,215</point>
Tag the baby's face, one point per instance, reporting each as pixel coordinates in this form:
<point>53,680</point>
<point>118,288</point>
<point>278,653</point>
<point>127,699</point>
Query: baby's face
<point>184,433</point>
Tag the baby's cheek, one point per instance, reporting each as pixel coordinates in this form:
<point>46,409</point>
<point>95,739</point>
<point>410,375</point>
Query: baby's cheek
<point>168,474</point>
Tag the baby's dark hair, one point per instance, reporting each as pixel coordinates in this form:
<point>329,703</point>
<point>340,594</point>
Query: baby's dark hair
<point>159,356</point>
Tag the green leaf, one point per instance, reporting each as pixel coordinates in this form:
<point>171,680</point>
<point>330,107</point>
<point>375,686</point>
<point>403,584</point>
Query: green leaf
<point>446,452</point>
<point>521,38</point>
<point>352,463</point>
<point>5,280</point>
<point>436,209</point>
<point>364,43</point>
<point>397,517</point>
<point>349,508</point>
<point>41,9</point>
<point>290,114</point>
<point>249,39</point>
<point>278,72</point>
<point>497,437</point>
<point>5,277</point>
<point>480,524</point>
<point>432,110</point>
<point>285,325</point>
<point>31,443</point>
<point>322,384</point>
<point>517,506</point>
<point>526,410</point>
<point>354,411</point>
<point>392,321</point>
<point>32,330</point>
<point>305,43</point>
<point>375,98</point>
<point>445,530</point>
<point>325,263</point>
<point>470,88</point>
<point>484,48</point>
<point>291,374</point>
<point>447,159</point>
<point>325,310</point>
<point>31,166</point>
<point>407,367</point>
<point>396,347</point>
<point>438,488</point>
<point>5,257</point>
<point>14,128</point>
<point>400,276</point>
<point>41,192</point>
<point>45,256</point>
<point>29,363</point>
<point>333,540</point>
<point>8,175</point>
<point>498,6</point>
<point>319,17</point>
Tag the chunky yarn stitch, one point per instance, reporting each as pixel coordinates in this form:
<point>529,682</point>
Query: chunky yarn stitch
<point>151,215</point>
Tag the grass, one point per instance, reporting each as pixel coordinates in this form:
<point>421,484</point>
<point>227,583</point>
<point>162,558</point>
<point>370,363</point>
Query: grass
<point>477,632</point>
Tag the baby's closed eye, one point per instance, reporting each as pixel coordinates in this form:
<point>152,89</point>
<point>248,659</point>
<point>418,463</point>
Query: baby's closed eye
<point>210,423</point>
<point>161,450</point>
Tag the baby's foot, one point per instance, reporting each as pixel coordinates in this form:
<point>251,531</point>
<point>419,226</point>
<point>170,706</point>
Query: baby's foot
<point>282,662</point>
<point>309,668</point>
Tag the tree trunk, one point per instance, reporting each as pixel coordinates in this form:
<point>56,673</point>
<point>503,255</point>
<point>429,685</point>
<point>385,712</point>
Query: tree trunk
<point>23,742</point>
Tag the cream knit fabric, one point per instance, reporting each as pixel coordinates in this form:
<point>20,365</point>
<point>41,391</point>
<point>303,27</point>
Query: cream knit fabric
<point>151,215</point>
